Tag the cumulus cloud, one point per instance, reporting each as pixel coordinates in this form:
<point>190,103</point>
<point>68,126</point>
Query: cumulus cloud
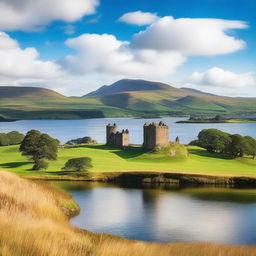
<point>105,54</point>
<point>32,15</point>
<point>191,37</point>
<point>218,77</point>
<point>138,18</point>
<point>23,63</point>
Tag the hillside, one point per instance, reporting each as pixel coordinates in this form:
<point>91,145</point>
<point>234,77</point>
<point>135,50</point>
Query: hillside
<point>158,98</point>
<point>34,93</point>
<point>41,103</point>
<point>125,98</point>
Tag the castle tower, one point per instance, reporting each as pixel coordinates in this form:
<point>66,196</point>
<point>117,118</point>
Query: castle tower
<point>155,135</point>
<point>116,138</point>
<point>110,130</point>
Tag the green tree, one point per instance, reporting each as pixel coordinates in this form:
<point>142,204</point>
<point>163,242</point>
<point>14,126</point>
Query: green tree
<point>78,164</point>
<point>15,138</point>
<point>39,146</point>
<point>238,145</point>
<point>250,147</point>
<point>219,118</point>
<point>4,139</point>
<point>214,140</point>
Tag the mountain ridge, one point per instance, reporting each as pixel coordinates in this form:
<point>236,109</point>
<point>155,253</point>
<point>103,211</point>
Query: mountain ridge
<point>124,98</point>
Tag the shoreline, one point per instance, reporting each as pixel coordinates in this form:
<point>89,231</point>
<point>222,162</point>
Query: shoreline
<point>150,177</point>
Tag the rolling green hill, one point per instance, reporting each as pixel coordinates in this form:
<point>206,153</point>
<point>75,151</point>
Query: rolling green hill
<point>152,97</point>
<point>125,98</point>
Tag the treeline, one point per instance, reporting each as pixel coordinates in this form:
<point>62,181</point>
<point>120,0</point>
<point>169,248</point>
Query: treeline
<point>214,140</point>
<point>11,138</point>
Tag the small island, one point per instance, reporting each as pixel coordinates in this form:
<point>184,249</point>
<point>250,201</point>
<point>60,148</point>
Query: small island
<point>194,119</point>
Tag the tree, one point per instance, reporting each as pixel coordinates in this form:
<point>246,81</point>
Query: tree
<point>214,140</point>
<point>219,118</point>
<point>3,139</point>
<point>78,164</point>
<point>238,145</point>
<point>250,146</point>
<point>177,140</point>
<point>39,146</point>
<point>15,138</point>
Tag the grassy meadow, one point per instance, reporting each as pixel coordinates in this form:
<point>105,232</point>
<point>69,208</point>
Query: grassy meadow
<point>34,221</point>
<point>107,159</point>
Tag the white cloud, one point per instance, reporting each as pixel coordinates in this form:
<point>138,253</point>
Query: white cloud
<point>32,15</point>
<point>191,37</point>
<point>138,18</point>
<point>218,77</point>
<point>105,54</point>
<point>17,63</point>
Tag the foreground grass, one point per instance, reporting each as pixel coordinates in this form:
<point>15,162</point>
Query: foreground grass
<point>105,159</point>
<point>34,221</point>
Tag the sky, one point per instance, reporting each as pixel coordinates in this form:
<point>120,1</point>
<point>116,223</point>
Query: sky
<point>77,46</point>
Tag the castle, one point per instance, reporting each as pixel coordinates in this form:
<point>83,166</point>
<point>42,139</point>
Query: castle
<point>154,135</point>
<point>116,138</point>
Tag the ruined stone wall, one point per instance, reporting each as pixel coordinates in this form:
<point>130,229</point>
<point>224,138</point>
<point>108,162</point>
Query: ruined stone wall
<point>155,135</point>
<point>115,138</point>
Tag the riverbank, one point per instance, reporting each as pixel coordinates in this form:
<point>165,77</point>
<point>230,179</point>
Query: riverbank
<point>140,178</point>
<point>30,226</point>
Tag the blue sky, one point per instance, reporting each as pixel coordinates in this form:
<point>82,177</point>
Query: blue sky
<point>60,64</point>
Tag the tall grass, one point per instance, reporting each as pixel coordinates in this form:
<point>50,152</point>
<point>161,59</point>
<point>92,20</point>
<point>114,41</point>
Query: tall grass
<point>34,222</point>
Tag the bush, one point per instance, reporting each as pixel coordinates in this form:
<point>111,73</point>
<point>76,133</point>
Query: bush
<point>11,138</point>
<point>78,164</point>
<point>15,138</point>
<point>3,139</point>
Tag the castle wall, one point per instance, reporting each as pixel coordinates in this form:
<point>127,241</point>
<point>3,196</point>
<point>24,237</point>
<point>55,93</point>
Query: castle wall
<point>115,138</point>
<point>155,135</point>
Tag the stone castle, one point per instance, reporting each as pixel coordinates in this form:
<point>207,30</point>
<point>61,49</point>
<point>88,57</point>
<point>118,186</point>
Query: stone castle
<point>116,138</point>
<point>155,134</point>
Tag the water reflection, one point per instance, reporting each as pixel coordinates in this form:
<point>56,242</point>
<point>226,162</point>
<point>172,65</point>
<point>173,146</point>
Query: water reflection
<point>166,214</point>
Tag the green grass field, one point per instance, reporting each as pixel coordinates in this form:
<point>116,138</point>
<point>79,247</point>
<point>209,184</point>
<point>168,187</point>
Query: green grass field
<point>105,159</point>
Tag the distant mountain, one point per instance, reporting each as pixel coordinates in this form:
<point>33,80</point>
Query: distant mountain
<point>28,92</point>
<point>129,85</point>
<point>40,103</point>
<point>125,98</point>
<point>159,98</point>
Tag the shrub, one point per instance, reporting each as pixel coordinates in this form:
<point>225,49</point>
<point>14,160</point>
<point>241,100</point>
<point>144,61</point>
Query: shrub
<point>15,138</point>
<point>78,164</point>
<point>3,139</point>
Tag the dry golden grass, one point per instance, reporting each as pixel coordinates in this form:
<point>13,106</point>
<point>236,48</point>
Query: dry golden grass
<point>33,222</point>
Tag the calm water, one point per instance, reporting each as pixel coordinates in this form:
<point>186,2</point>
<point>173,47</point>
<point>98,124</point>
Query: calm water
<point>167,214</point>
<point>65,130</point>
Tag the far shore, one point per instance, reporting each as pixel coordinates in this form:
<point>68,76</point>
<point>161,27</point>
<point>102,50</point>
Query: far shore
<point>212,121</point>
